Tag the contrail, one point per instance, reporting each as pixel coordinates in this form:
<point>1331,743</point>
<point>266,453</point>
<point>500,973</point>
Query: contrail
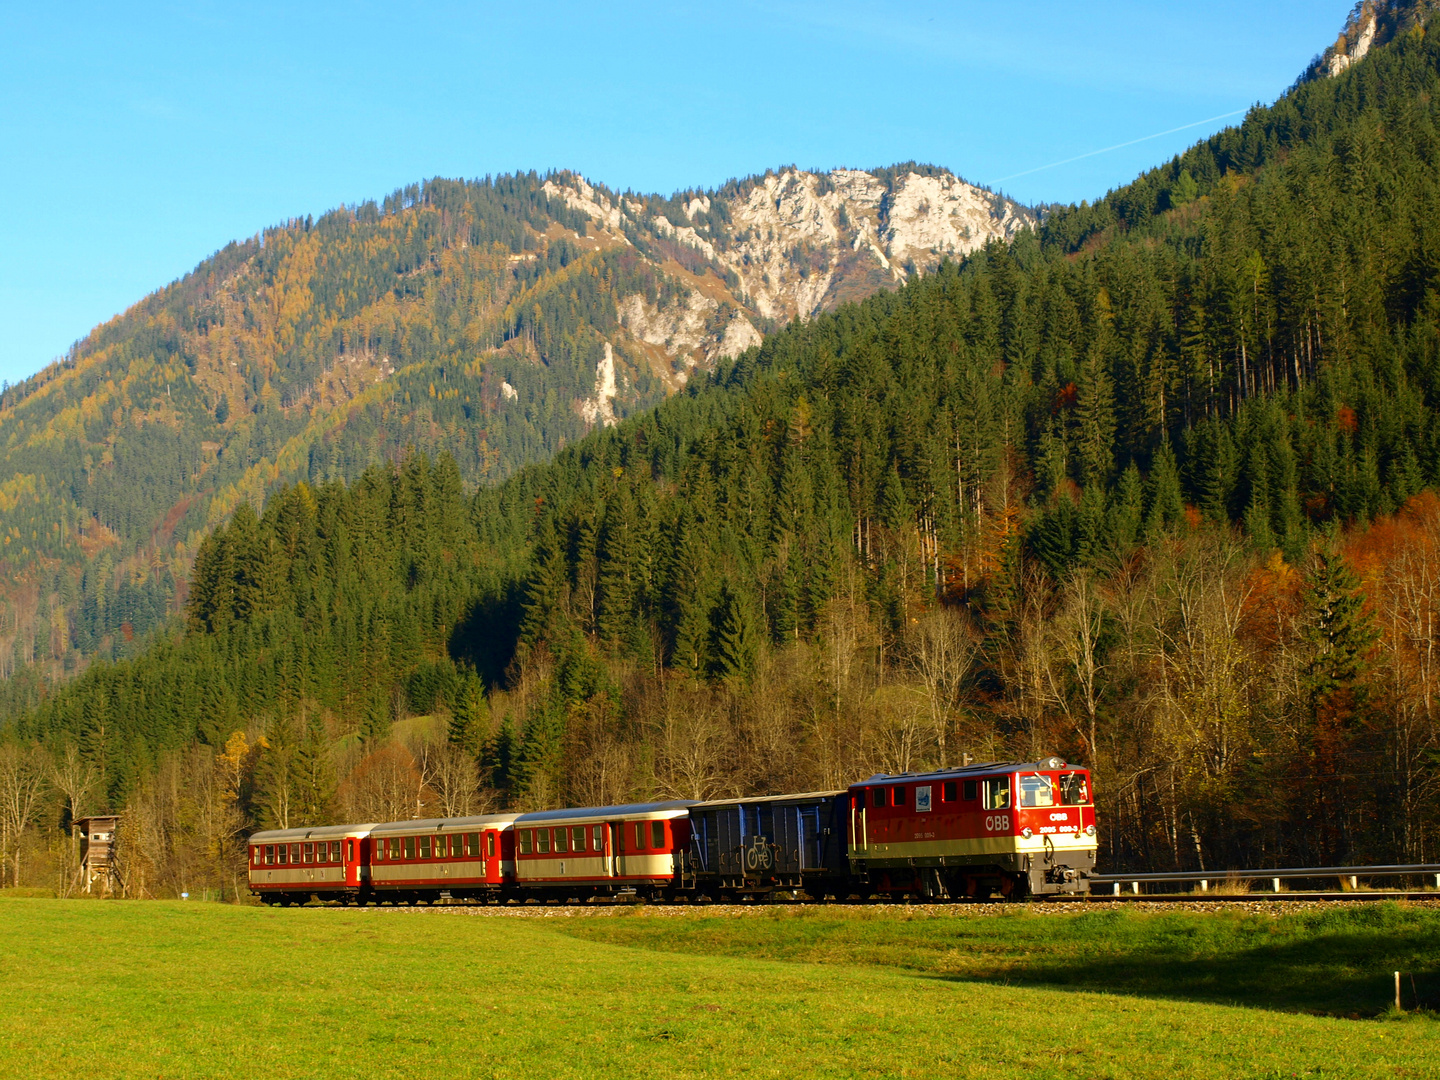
<point>1120,146</point>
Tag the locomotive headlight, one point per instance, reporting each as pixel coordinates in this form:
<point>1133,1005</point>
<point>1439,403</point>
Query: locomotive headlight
<point>1026,832</point>
<point>1089,830</point>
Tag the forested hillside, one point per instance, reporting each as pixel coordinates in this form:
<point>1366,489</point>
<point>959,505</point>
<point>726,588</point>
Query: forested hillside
<point>1148,488</point>
<point>496,320</point>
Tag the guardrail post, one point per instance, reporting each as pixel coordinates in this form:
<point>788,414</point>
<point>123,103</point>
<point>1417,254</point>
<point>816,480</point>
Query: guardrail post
<point>1117,888</point>
<point>1397,991</point>
<point>1275,884</point>
<point>1135,887</point>
<point>1437,881</point>
<point>1354,882</point>
<point>1204,885</point>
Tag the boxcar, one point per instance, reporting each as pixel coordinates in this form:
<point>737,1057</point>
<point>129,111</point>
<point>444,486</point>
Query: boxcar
<point>289,866</point>
<point>1013,828</point>
<point>752,847</point>
<point>604,850</point>
<point>411,861</point>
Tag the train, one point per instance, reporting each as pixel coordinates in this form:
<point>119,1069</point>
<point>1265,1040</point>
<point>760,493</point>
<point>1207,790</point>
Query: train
<point>1006,830</point>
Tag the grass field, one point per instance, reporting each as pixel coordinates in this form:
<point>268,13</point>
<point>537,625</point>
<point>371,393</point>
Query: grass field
<point>151,990</point>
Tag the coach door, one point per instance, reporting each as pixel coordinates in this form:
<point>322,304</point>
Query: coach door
<point>616,830</point>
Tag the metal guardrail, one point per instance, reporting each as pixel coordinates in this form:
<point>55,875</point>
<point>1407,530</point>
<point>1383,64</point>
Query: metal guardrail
<point>1274,876</point>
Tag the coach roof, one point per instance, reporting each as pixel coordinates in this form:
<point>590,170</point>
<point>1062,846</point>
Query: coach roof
<point>673,808</point>
<point>418,826</point>
<point>319,832</point>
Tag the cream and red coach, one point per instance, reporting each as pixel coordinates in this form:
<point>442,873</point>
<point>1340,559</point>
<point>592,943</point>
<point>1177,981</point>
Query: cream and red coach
<point>1019,829</point>
<point>601,850</point>
<point>288,866</point>
<point>441,857</point>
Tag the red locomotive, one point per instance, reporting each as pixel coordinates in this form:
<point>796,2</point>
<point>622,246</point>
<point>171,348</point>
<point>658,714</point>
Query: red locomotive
<point>1007,829</point>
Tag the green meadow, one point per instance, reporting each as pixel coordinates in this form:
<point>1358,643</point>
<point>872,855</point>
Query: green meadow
<point>161,989</point>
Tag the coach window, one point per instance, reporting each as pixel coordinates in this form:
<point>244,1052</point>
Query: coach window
<point>490,844</point>
<point>577,838</point>
<point>562,840</point>
<point>269,854</point>
<point>309,853</point>
<point>524,841</point>
<point>597,835</point>
<point>972,790</point>
<point>1074,791</point>
<point>997,793</point>
<point>542,841</point>
<point>379,850</point>
<point>394,847</point>
<point>639,836</point>
<point>657,834</point>
<point>424,847</point>
<point>472,844</point>
<point>284,854</point>
<point>949,791</point>
<point>294,853</point>
<point>409,847</point>
<point>877,797</point>
<point>1036,790</point>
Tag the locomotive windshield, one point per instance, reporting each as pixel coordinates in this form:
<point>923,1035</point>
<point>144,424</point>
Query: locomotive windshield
<point>1074,790</point>
<point>1036,790</point>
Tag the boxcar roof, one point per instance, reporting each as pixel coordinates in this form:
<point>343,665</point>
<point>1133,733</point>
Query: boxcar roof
<point>979,769</point>
<point>430,825</point>
<point>318,832</point>
<point>674,808</point>
<point>800,797</point>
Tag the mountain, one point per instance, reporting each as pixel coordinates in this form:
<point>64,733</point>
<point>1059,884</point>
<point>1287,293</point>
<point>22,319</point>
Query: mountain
<point>497,321</point>
<point>1152,487</point>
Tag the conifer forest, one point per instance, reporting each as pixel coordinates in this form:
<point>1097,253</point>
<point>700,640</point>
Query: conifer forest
<point>1151,487</point>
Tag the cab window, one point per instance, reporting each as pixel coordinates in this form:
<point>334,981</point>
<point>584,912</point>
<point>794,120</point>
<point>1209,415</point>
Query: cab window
<point>1074,789</point>
<point>997,793</point>
<point>1036,791</point>
<point>877,796</point>
<point>901,796</point>
<point>949,791</point>
<point>972,790</point>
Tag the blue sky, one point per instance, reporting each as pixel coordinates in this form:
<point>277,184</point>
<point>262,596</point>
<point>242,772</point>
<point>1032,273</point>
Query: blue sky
<point>140,138</point>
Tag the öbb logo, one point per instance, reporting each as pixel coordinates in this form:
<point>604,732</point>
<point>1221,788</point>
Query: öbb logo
<point>997,822</point>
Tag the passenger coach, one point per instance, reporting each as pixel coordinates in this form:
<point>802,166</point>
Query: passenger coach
<point>288,866</point>
<point>604,850</point>
<point>435,858</point>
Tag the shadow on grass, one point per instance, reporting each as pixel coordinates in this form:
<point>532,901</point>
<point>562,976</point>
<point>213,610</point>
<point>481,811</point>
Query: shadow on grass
<point>1338,962</point>
<point>1340,967</point>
